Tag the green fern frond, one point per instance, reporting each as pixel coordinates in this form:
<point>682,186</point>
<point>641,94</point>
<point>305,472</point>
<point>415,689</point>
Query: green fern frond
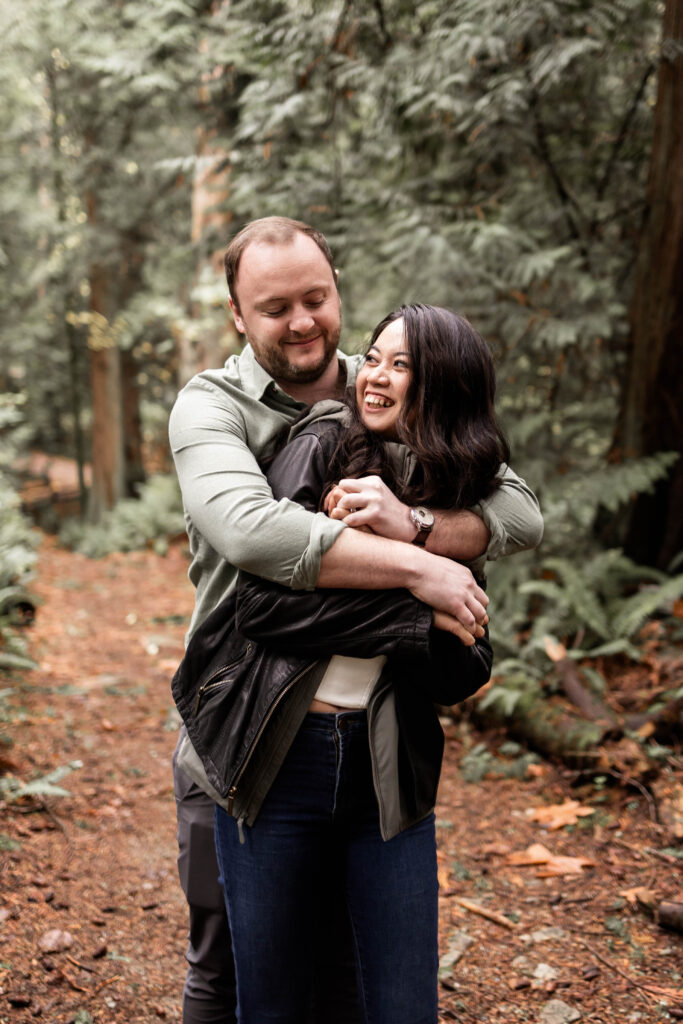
<point>635,610</point>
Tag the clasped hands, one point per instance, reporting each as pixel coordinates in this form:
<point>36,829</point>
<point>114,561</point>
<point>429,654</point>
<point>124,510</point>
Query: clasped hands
<point>368,504</point>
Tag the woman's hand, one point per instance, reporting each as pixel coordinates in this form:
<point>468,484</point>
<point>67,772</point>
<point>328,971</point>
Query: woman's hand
<point>441,620</point>
<point>368,502</point>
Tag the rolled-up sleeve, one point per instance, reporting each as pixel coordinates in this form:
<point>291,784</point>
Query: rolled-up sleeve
<point>229,501</point>
<point>512,515</point>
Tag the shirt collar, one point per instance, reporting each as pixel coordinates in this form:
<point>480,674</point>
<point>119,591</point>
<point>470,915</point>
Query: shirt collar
<point>256,381</point>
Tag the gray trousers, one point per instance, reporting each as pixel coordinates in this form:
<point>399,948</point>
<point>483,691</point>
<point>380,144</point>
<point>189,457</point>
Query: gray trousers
<point>209,992</point>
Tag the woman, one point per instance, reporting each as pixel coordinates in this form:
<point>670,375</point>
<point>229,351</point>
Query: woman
<point>336,760</point>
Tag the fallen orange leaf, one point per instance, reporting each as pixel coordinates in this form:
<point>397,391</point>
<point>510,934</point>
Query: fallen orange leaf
<point>554,649</point>
<point>549,864</point>
<point>557,816</point>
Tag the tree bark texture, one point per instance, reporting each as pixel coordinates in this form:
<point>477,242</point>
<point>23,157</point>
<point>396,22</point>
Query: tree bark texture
<point>548,727</point>
<point>130,283</point>
<point>108,463</point>
<point>132,425</point>
<point>651,417</point>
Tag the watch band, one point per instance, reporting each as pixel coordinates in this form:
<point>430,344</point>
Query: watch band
<point>423,520</point>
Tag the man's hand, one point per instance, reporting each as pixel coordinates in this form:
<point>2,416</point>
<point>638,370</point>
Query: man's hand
<point>451,589</point>
<point>441,620</point>
<point>370,503</point>
<point>360,561</point>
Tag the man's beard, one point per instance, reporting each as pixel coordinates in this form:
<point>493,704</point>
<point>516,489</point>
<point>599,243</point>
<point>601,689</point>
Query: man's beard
<point>276,363</point>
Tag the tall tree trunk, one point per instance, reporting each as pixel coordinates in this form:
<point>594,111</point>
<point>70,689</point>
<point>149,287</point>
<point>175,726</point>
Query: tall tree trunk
<point>651,416</point>
<point>68,330</point>
<point>132,424</point>
<point>108,463</point>
<point>210,226</point>
<point>130,278</point>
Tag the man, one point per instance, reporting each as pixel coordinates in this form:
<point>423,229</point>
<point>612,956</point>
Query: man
<point>283,295</point>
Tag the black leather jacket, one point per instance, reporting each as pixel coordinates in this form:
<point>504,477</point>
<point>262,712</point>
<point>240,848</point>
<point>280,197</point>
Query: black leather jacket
<point>253,666</point>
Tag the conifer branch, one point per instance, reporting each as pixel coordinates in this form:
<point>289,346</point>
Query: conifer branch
<point>623,130</point>
<point>386,35</point>
<point>543,146</point>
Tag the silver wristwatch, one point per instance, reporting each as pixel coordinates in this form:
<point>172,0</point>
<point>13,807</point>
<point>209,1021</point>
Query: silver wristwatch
<point>423,520</point>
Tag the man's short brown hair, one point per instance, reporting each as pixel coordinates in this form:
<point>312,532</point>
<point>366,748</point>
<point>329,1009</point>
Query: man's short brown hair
<point>273,231</point>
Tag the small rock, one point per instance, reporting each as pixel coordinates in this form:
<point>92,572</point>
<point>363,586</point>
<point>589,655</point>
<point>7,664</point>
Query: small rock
<point>548,934</point>
<point>48,963</point>
<point>99,951</point>
<point>590,972</point>
<point>49,896</point>
<point>458,945</point>
<point>5,913</point>
<point>160,1011</point>
<point>523,963</point>
<point>557,1012</point>
<point>55,941</point>
<point>544,972</point>
<point>519,983</point>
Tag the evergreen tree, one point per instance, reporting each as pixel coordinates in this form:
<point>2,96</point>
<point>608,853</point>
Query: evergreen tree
<point>651,414</point>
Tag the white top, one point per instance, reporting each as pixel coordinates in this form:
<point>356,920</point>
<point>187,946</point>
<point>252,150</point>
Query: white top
<point>348,682</point>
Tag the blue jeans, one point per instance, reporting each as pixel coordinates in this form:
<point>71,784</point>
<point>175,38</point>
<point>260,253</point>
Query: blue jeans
<point>321,821</point>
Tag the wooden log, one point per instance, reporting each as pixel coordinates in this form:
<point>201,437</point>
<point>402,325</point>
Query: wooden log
<point>670,915</point>
<point>548,727</point>
<point>593,708</point>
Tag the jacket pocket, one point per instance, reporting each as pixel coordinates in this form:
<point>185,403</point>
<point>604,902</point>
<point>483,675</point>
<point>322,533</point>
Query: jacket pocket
<point>219,677</point>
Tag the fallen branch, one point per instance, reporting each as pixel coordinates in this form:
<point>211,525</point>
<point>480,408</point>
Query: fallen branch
<point>74,985</point>
<point>628,781</point>
<point>577,693</point>
<point>670,915</point>
<point>83,967</point>
<point>490,915</point>
<point>109,981</point>
<point>649,850</point>
<point>549,727</point>
<point>651,990</point>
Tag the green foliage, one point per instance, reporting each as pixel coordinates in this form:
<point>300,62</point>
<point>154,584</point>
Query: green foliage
<point>87,89</point>
<point>45,785</point>
<point>596,607</point>
<point>480,762</point>
<point>134,523</point>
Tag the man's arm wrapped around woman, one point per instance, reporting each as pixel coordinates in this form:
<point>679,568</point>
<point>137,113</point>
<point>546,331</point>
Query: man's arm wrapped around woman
<point>357,623</point>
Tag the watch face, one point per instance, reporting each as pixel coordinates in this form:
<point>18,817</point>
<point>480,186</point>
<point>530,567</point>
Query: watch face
<point>422,517</point>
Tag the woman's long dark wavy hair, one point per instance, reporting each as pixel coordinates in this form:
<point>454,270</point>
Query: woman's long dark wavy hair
<point>448,419</point>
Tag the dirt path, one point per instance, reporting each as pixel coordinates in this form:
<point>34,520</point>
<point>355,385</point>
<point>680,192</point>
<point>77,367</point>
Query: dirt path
<point>99,864</point>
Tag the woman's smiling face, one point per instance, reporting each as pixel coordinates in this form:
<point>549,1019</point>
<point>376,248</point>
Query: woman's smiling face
<point>383,381</point>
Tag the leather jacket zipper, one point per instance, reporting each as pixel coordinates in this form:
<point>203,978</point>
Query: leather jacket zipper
<point>232,792</point>
<point>213,681</point>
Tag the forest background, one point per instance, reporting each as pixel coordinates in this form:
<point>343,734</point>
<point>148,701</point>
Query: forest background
<point>521,162</point>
